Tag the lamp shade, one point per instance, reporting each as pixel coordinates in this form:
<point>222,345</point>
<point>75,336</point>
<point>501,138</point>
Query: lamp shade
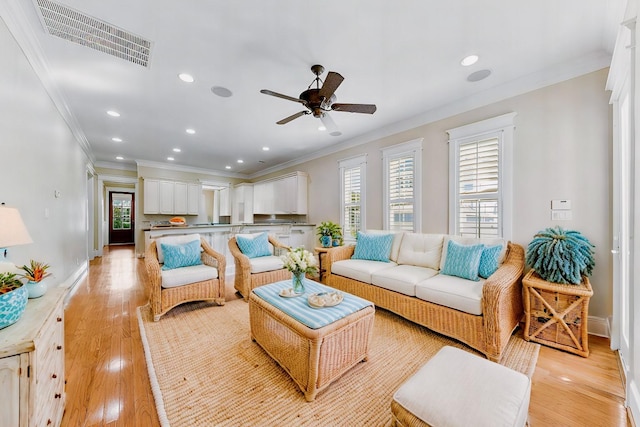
<point>12,229</point>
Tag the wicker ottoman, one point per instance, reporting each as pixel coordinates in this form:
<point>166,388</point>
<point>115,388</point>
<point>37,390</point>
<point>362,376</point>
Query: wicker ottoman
<point>313,356</point>
<point>457,388</point>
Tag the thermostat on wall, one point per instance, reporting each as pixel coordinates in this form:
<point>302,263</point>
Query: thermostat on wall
<point>561,205</point>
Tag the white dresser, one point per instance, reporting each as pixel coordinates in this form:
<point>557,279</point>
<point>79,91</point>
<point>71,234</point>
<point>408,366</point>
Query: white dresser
<point>32,364</point>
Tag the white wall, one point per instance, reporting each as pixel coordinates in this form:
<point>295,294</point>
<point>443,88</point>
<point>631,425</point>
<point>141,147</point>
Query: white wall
<point>39,155</point>
<point>562,151</point>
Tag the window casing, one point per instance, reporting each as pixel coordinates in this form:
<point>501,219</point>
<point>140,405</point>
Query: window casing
<point>402,175</point>
<point>480,178</point>
<point>352,196</point>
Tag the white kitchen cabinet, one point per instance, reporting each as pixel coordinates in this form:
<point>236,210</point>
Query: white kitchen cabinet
<point>32,364</point>
<point>286,194</point>
<point>263,198</point>
<point>180,198</point>
<point>166,197</point>
<point>194,191</point>
<point>151,196</point>
<point>302,235</point>
<point>242,212</point>
<point>225,202</point>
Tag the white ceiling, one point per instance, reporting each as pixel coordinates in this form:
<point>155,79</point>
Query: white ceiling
<point>404,56</point>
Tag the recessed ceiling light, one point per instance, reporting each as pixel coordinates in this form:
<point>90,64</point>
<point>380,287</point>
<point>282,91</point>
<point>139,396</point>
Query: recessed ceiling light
<point>190,131</point>
<point>176,150</point>
<point>322,128</point>
<point>479,75</point>
<point>221,91</point>
<point>469,60</point>
<point>265,148</point>
<point>170,159</point>
<point>187,78</point>
<point>240,161</point>
<point>227,167</point>
<point>119,158</point>
<point>113,113</point>
<point>116,139</point>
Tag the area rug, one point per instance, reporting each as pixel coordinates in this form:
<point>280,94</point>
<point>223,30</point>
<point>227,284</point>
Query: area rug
<point>206,371</point>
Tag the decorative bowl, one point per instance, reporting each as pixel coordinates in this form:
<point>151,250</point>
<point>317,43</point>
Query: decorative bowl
<point>12,305</point>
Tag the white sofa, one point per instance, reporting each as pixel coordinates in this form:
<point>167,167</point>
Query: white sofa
<point>482,313</point>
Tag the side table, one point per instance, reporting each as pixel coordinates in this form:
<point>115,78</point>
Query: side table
<point>556,314</point>
<point>321,251</point>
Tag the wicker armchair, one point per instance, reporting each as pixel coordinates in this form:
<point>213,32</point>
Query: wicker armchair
<point>162,299</point>
<point>245,280</point>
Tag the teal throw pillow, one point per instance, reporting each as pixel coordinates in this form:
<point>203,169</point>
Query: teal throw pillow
<point>176,256</point>
<point>489,261</point>
<point>463,260</point>
<point>254,247</point>
<point>373,247</point>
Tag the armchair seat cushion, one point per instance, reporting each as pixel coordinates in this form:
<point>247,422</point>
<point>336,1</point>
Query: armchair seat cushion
<point>453,292</point>
<point>359,269</point>
<point>402,278</point>
<point>266,263</point>
<point>186,275</point>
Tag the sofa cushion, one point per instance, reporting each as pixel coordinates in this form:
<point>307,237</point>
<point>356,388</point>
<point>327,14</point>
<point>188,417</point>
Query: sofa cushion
<point>184,255</point>
<point>266,263</point>
<point>453,292</point>
<point>489,261</point>
<point>254,245</point>
<point>402,278</point>
<point>395,245</point>
<point>359,269</point>
<point>173,240</point>
<point>422,250</point>
<point>463,260</point>
<point>487,241</point>
<point>187,275</point>
<point>373,247</point>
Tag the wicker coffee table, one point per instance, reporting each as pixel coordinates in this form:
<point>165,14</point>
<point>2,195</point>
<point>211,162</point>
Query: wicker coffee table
<point>314,346</point>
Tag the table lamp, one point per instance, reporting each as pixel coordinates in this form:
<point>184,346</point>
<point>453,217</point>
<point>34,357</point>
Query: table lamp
<point>12,233</point>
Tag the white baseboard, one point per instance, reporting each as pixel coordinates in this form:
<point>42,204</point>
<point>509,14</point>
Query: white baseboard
<point>72,281</point>
<point>599,326</point>
<point>633,401</point>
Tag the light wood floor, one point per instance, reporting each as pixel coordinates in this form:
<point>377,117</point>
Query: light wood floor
<point>107,382</point>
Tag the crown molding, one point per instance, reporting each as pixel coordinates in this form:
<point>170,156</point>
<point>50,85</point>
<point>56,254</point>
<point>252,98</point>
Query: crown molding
<point>116,166</point>
<point>15,15</point>
<point>182,168</point>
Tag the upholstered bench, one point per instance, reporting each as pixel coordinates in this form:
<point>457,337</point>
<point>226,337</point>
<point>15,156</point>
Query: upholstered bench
<point>457,388</point>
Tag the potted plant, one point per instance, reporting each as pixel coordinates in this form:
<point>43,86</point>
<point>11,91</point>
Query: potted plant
<point>34,273</point>
<point>328,231</point>
<point>561,256</point>
<point>13,299</point>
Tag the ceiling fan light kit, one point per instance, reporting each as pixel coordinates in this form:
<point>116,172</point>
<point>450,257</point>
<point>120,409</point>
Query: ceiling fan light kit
<point>319,100</point>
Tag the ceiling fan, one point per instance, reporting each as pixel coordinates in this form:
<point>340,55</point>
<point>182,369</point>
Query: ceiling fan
<point>321,99</point>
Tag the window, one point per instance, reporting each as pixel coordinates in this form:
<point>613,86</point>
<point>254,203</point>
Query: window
<point>402,177</point>
<point>122,211</point>
<point>480,178</point>
<point>352,196</point>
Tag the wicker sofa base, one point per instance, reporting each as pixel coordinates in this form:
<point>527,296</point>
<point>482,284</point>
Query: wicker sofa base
<point>314,358</point>
<point>488,334</point>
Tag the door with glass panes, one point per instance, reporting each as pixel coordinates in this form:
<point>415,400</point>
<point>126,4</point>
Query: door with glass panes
<point>121,218</point>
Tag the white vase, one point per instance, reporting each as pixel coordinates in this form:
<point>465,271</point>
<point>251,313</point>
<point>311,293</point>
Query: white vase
<point>36,289</point>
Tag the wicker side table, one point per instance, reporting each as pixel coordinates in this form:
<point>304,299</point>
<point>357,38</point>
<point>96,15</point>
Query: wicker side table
<point>556,314</point>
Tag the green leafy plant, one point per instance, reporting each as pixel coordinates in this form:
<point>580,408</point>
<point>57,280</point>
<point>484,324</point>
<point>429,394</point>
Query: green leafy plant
<point>561,256</point>
<point>36,271</point>
<point>329,228</point>
<point>9,282</point>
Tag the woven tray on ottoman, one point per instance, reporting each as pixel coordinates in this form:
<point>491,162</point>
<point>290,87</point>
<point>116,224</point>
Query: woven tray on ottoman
<point>556,314</point>
<point>313,356</point>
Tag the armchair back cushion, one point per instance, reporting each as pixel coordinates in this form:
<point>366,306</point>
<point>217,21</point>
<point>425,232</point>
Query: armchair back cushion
<point>254,245</point>
<point>174,240</point>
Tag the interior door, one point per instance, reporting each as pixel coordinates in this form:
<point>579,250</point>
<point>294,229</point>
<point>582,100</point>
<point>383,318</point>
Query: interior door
<point>121,218</point>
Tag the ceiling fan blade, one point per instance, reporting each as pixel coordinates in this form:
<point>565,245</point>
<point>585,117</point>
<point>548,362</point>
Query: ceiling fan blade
<point>330,84</point>
<point>292,117</point>
<point>355,108</point>
<point>330,125</point>
<point>279,95</point>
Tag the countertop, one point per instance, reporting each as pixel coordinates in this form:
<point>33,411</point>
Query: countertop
<point>259,224</point>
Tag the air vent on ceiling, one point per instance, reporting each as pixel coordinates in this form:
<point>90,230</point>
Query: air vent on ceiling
<point>69,24</point>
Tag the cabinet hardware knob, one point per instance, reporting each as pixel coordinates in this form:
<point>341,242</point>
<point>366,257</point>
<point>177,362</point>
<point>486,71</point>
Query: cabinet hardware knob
<point>54,376</point>
<point>57,395</point>
<point>58,347</point>
<point>49,421</point>
<point>59,319</point>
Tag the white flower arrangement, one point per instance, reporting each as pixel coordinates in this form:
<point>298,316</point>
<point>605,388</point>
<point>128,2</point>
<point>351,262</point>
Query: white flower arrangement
<point>299,260</point>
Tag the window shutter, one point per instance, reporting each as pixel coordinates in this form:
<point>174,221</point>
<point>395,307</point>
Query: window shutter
<point>352,200</point>
<point>401,193</point>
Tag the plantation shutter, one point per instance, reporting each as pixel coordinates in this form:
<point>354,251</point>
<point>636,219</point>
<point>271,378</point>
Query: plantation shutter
<point>352,193</point>
<point>401,193</point>
<point>478,188</point>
